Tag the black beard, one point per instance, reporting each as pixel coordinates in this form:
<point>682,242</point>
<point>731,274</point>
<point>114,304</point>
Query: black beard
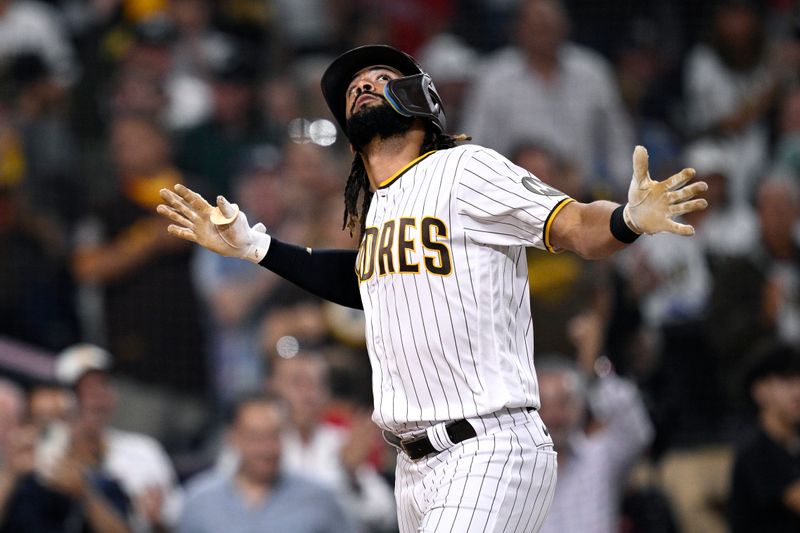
<point>380,121</point>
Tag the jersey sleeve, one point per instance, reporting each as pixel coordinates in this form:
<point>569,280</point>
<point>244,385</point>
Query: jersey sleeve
<point>502,204</point>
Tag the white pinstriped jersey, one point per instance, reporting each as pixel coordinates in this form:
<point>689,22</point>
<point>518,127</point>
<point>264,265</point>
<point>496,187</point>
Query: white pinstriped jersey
<point>444,283</point>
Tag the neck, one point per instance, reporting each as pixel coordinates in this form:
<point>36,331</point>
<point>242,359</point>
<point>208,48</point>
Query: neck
<point>779,430</point>
<point>384,157</point>
<point>253,489</point>
<point>545,64</point>
<point>306,432</point>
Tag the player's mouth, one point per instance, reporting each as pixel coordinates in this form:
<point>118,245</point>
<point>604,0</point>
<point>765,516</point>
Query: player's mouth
<point>362,100</point>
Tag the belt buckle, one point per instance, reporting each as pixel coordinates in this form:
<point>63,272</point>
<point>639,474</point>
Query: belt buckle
<point>406,444</point>
<point>404,447</point>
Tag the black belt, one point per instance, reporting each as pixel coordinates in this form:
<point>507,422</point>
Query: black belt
<point>419,447</point>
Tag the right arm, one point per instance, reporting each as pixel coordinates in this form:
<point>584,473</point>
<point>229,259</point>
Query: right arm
<point>329,274</point>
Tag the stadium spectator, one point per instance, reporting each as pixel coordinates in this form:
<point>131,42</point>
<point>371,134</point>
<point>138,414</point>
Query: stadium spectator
<point>729,234</point>
<point>236,294</point>
<point>35,27</point>
<point>765,494</point>
<point>137,461</point>
<point>213,148</point>
<point>731,83</point>
<point>151,311</point>
<point>144,73</point>
<point>311,168</point>
<point>152,55</point>
<point>308,26</point>
<point>593,465</point>
<point>199,43</point>
<point>37,304</point>
<point>332,454</point>
<point>48,403</point>
<point>549,89</point>
<point>52,481</point>
<point>259,494</point>
<point>453,64</point>
<point>778,205</point>
<point>38,111</point>
<point>71,496</point>
<point>674,291</point>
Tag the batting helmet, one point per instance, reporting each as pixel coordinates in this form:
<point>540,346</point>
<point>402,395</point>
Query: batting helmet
<point>413,95</point>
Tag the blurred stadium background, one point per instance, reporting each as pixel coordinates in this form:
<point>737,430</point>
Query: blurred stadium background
<point>104,102</point>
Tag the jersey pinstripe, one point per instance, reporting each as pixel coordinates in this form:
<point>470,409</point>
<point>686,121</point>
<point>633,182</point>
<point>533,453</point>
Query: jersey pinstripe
<point>444,283</point>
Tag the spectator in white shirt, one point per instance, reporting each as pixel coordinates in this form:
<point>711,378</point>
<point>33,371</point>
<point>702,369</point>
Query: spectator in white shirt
<point>552,91</point>
<point>136,460</point>
<point>731,83</point>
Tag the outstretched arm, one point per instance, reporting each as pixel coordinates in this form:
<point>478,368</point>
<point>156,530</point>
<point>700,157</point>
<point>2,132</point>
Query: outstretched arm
<point>329,274</point>
<point>597,229</point>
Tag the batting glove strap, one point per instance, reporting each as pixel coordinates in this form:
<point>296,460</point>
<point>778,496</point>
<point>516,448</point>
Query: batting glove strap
<point>259,246</point>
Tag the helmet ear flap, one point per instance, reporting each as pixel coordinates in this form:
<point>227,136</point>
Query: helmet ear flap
<point>416,96</point>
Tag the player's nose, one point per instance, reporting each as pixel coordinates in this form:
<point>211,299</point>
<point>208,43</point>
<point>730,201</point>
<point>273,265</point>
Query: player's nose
<point>364,86</point>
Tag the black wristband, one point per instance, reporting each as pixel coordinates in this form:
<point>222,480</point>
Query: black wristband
<point>619,229</point>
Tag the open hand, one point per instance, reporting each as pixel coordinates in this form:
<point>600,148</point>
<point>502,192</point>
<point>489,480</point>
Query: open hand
<point>223,229</point>
<point>652,205</point>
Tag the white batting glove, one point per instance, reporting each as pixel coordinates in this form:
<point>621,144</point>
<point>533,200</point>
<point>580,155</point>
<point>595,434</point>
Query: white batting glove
<point>653,204</point>
<point>223,229</point>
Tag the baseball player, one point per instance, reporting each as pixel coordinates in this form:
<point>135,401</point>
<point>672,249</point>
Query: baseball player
<point>442,278</point>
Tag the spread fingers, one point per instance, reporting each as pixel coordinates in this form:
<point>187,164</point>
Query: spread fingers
<point>174,216</point>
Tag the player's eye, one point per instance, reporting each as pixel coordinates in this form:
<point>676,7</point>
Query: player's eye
<point>384,77</point>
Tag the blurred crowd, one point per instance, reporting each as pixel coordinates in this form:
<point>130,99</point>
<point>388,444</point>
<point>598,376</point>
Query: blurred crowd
<point>148,385</point>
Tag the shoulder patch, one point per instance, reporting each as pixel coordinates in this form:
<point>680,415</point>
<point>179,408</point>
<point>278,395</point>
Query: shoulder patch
<point>539,187</point>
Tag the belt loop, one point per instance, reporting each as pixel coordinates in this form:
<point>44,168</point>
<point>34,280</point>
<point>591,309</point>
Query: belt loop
<point>438,436</point>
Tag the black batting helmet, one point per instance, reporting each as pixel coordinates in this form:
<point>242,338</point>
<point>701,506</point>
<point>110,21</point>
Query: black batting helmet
<point>413,95</point>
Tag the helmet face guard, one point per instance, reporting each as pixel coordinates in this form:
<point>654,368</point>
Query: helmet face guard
<point>416,96</point>
<point>411,95</point>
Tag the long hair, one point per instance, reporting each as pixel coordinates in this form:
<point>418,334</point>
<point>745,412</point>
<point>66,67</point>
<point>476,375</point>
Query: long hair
<point>358,182</point>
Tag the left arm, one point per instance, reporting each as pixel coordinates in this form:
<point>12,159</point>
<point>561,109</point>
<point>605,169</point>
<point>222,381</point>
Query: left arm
<point>600,228</point>
<point>584,229</point>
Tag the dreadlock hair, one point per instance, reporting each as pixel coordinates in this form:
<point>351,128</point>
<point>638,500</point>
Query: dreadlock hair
<point>358,181</point>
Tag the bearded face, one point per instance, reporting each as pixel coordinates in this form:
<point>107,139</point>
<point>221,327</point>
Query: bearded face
<point>375,121</point>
